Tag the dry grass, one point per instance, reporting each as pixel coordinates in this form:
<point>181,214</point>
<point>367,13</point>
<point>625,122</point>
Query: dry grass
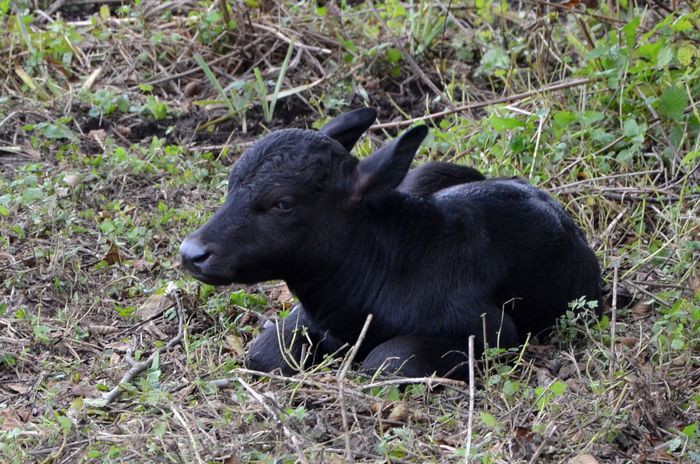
<point>97,203</point>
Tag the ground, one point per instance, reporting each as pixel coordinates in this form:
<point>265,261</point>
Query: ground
<point>119,122</point>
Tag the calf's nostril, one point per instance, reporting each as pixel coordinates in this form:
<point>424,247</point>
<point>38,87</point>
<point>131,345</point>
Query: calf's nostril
<point>193,251</point>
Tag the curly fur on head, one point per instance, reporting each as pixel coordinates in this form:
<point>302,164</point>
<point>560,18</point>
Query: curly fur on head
<point>304,155</point>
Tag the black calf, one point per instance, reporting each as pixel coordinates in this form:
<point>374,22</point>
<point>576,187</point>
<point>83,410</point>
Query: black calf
<point>435,254</point>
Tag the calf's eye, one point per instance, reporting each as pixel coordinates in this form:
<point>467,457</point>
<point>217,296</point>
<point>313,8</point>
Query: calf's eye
<point>283,206</point>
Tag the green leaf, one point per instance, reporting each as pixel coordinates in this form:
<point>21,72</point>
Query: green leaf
<point>690,430</point>
<point>631,128</point>
<point>509,388</point>
<point>664,57</point>
<point>673,102</point>
<point>590,117</point>
<point>677,344</point>
<point>65,423</point>
<point>504,124</point>
<point>564,118</point>
<point>683,24</point>
<point>394,55</point>
<point>685,54</point>
<point>688,159</point>
<point>32,195</point>
<point>630,30</point>
<point>558,388</point>
<point>651,50</point>
<point>4,211</point>
<point>489,420</point>
<point>57,131</point>
<point>125,311</point>
<point>104,12</point>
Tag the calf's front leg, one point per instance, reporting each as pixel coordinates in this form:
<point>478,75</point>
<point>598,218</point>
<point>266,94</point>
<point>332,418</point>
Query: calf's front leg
<point>279,344</point>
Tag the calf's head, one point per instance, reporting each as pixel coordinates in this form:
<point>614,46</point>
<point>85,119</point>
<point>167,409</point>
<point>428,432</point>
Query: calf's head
<point>291,197</point>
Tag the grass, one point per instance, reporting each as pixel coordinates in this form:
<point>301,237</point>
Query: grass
<point>118,126</point>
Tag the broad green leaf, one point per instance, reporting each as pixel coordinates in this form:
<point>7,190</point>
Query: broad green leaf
<point>504,124</point>
<point>690,430</point>
<point>630,30</point>
<point>685,54</point>
<point>564,118</point>
<point>488,419</point>
<point>590,117</point>
<point>57,131</point>
<point>673,102</point>
<point>394,55</point>
<point>631,128</point>
<point>558,388</point>
<point>664,57</point>
<point>690,157</point>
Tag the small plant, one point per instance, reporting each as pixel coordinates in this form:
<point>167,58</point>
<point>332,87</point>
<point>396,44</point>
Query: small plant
<point>581,312</point>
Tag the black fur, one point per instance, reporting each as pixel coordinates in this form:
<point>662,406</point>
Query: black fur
<point>432,264</point>
<point>435,175</point>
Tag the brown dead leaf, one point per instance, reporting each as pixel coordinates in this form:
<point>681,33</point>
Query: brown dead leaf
<point>399,413</point>
<point>680,361</point>
<point>376,407</point>
<point>84,390</point>
<point>234,344</point>
<point>72,180</point>
<point>629,342</point>
<point>153,306</point>
<point>115,360</point>
<point>113,255</point>
<point>125,131</point>
<point>694,283</point>
<point>571,3</point>
<point>119,347</point>
<point>12,418</point>
<point>584,459</point>
<point>640,309</point>
<point>141,265</point>
<point>6,257</point>
<point>99,136</point>
<point>102,329</point>
<point>18,388</point>
<point>192,88</point>
<point>153,329</point>
<point>282,295</point>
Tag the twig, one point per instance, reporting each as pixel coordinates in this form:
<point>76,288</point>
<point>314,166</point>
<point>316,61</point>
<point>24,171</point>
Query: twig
<point>139,366</point>
<point>567,188</point>
<point>341,386</point>
<point>539,449</point>
<point>579,12</point>
<point>296,42</point>
<point>649,294</point>
<point>187,428</point>
<point>613,317</point>
<point>287,431</point>
<point>470,417</point>
<point>495,101</point>
<point>537,145</point>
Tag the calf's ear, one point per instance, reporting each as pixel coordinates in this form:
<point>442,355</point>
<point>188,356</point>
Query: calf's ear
<point>385,169</point>
<point>349,127</point>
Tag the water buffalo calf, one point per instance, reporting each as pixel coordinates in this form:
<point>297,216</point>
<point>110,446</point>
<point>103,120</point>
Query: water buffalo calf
<point>435,254</point>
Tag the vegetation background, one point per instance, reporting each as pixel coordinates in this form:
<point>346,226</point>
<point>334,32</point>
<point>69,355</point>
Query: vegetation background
<point>119,121</point>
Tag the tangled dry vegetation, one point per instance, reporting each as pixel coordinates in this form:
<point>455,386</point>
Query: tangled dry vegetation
<point>118,121</point>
